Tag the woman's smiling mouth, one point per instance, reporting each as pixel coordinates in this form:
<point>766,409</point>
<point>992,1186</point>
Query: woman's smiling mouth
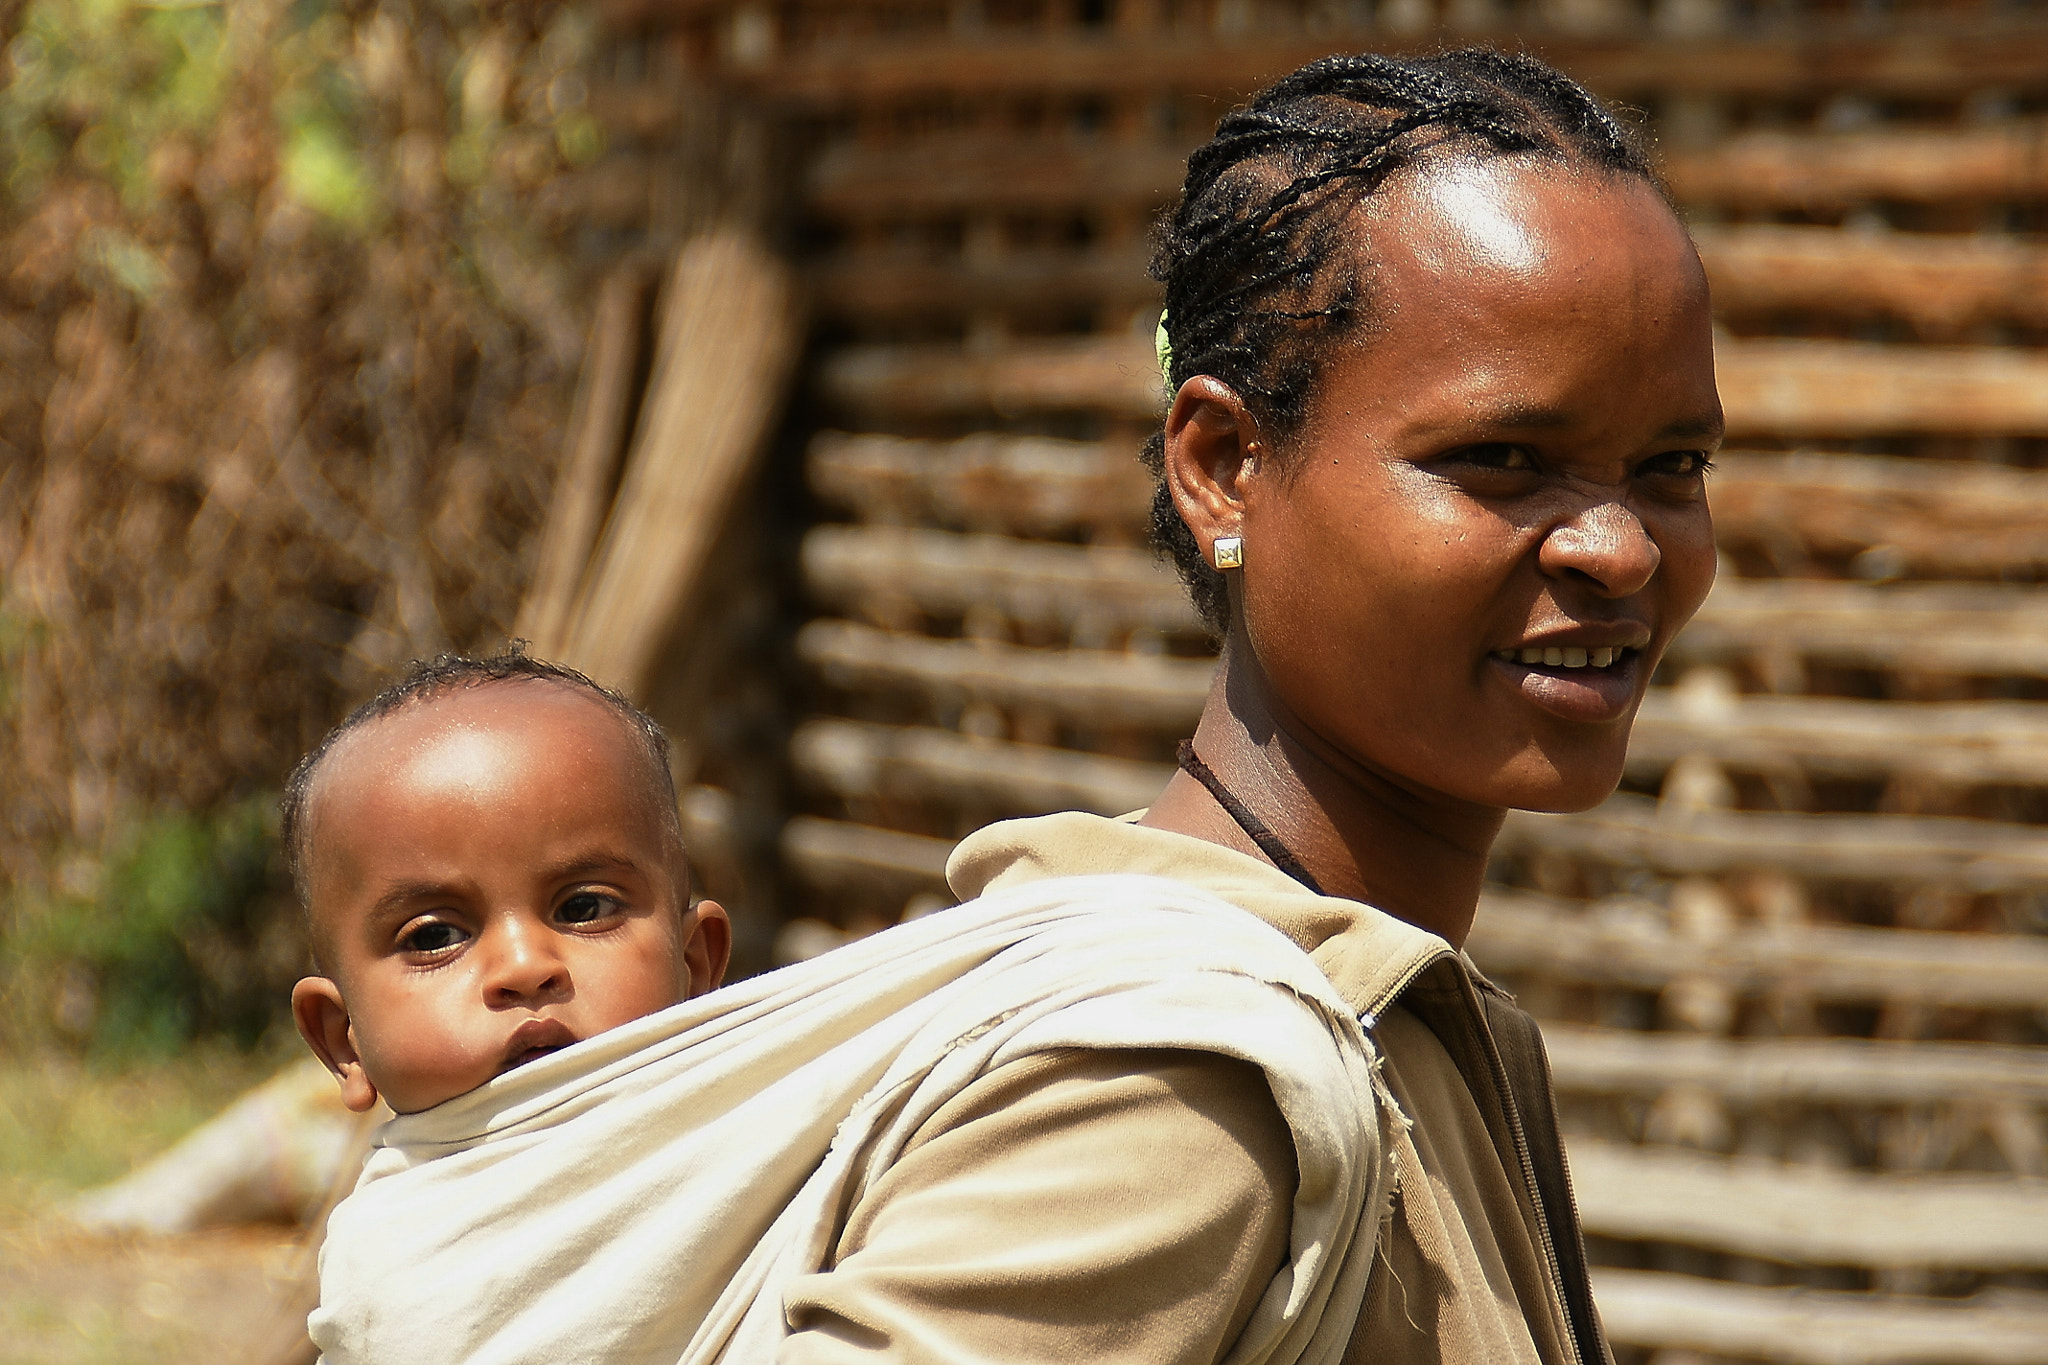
<point>1574,682</point>
<point>1560,657</point>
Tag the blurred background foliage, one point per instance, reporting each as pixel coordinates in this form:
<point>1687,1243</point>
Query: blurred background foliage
<point>289,317</point>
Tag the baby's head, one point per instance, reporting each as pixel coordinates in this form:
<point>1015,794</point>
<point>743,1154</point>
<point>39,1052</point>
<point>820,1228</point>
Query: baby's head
<point>492,868</point>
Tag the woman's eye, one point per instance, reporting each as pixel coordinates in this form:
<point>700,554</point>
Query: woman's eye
<point>1677,464</point>
<point>1507,458</point>
<point>432,936</point>
<point>587,906</point>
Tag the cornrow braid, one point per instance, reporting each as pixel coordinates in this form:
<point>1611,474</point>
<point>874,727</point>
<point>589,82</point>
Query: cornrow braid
<point>1258,278</point>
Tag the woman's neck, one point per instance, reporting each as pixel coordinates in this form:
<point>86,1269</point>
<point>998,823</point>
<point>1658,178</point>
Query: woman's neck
<point>1363,835</point>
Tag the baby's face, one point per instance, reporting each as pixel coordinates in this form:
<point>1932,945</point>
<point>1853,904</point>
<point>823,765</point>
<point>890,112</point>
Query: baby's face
<point>491,879</point>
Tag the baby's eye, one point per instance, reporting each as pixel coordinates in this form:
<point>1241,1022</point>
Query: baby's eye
<point>586,907</point>
<point>430,936</point>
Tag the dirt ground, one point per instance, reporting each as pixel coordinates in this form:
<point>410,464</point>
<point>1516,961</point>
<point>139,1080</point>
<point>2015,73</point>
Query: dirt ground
<point>71,1299</point>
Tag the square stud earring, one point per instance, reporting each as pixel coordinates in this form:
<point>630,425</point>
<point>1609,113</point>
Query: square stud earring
<point>1229,552</point>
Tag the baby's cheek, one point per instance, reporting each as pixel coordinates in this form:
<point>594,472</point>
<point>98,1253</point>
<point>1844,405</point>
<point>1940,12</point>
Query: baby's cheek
<point>418,1067</point>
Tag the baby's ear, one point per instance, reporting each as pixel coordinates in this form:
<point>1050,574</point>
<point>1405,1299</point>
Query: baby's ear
<point>707,947</point>
<point>322,1017</point>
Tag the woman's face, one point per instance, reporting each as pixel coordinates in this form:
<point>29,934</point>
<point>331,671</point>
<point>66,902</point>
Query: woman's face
<point>1464,569</point>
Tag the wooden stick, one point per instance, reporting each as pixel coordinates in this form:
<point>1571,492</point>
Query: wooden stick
<point>1842,389</point>
<point>1931,518</point>
<point>1810,1215</point>
<point>1979,856</point>
<point>1764,1072</point>
<point>1831,170</point>
<point>1981,630</point>
<point>272,1154</point>
<point>948,172</point>
<point>1620,942</point>
<point>598,426</point>
<point>829,854</point>
<point>1968,743</point>
<point>1088,687</point>
<point>878,567</point>
<point>1962,629</point>
<point>854,759</point>
<point>1798,1326</point>
<point>1625,942</point>
<point>1770,388</point>
<point>1952,61</point>
<point>730,331</point>
<point>951,173</point>
<point>1118,375</point>
<point>869,286</point>
<point>1030,484</point>
<point>1941,282</point>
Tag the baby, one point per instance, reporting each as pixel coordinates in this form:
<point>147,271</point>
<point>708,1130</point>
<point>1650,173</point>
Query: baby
<point>492,868</point>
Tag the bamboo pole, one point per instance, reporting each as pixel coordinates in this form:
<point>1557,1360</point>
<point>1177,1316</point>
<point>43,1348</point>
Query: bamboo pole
<point>729,335</point>
<point>598,427</point>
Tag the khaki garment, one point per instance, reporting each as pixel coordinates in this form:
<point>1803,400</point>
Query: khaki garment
<point>1127,1207</point>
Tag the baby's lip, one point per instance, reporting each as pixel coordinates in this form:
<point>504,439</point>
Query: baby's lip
<point>535,1038</point>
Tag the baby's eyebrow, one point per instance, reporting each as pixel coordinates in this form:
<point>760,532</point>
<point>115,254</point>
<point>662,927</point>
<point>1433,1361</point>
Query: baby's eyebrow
<point>398,895</point>
<point>596,860</point>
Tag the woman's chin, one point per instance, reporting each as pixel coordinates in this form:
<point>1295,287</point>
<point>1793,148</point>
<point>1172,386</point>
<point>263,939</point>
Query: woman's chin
<point>1560,789</point>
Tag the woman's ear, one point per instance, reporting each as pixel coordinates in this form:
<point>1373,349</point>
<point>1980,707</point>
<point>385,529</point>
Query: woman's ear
<point>1212,447</point>
<point>707,948</point>
<point>322,1017</point>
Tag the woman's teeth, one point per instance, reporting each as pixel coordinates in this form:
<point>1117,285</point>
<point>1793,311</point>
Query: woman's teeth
<point>1556,657</point>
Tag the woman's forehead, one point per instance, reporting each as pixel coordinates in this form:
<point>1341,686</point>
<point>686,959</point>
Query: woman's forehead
<point>1518,215</point>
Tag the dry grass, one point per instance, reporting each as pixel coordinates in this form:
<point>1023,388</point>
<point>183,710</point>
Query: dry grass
<point>284,357</point>
<point>284,373</point>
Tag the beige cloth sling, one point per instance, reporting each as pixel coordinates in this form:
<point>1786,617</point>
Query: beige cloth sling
<point>649,1194</point>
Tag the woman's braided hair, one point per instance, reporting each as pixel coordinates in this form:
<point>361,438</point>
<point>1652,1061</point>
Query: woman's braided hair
<point>1254,258</point>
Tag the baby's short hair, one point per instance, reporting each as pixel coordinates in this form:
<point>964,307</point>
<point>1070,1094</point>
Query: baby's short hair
<point>430,678</point>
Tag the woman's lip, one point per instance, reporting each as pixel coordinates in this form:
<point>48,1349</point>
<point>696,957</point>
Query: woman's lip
<point>1579,694</point>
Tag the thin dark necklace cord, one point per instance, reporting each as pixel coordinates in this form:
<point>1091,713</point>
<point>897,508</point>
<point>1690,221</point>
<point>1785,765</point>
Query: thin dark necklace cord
<point>1268,842</point>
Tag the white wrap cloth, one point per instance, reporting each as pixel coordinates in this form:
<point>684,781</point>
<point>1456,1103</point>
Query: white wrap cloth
<point>648,1194</point>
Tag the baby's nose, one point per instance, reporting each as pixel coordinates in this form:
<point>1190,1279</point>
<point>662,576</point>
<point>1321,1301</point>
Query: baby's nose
<point>525,967</point>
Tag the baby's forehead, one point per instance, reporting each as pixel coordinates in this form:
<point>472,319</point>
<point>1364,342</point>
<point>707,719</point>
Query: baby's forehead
<point>464,735</point>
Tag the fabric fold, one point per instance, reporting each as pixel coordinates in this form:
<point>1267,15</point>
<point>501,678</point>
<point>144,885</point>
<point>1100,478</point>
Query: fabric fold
<point>648,1195</point>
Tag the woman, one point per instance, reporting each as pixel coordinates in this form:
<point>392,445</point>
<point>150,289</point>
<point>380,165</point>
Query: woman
<point>1434,469</point>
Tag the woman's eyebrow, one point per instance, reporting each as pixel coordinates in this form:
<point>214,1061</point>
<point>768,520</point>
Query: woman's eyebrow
<point>1536,417</point>
<point>1689,428</point>
<point>1524,415</point>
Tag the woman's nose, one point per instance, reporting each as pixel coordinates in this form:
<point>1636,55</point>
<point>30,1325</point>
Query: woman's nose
<point>524,967</point>
<point>1603,544</point>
